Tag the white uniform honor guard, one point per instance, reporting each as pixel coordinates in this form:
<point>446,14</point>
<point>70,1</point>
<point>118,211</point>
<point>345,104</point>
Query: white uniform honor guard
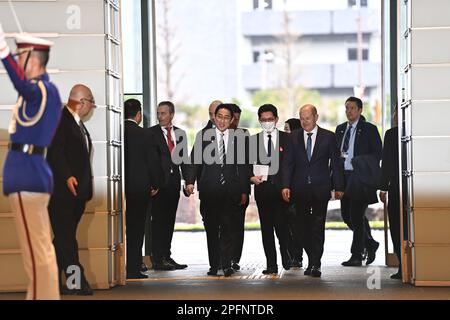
<point>27,178</point>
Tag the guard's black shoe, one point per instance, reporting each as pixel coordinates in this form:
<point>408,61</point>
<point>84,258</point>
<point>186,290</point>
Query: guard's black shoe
<point>235,266</point>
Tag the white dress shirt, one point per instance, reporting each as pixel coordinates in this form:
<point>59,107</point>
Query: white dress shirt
<point>313,138</point>
<point>274,135</point>
<point>226,135</point>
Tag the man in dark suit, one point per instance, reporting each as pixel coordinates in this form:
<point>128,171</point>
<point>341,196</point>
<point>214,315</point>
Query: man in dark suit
<point>165,203</point>
<point>270,149</point>
<point>69,157</point>
<point>311,169</point>
<point>222,186</point>
<point>141,183</point>
<point>390,188</point>
<point>357,140</point>
<point>238,219</point>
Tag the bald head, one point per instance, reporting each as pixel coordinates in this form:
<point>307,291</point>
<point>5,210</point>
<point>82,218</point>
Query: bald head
<point>308,117</point>
<point>309,108</point>
<point>81,100</point>
<point>212,109</point>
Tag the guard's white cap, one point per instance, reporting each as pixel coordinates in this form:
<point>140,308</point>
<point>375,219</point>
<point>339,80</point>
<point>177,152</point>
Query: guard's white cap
<point>24,40</point>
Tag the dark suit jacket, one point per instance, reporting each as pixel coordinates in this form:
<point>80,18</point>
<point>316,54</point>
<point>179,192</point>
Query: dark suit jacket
<point>367,143</point>
<point>389,166</point>
<point>236,175</point>
<point>68,156</point>
<point>322,174</point>
<point>142,166</point>
<point>367,139</point>
<point>282,142</point>
<point>165,158</point>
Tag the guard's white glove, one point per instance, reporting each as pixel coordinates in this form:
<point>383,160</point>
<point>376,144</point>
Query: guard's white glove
<point>4,48</point>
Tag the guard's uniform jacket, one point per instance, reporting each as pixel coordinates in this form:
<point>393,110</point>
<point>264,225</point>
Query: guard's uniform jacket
<point>23,171</point>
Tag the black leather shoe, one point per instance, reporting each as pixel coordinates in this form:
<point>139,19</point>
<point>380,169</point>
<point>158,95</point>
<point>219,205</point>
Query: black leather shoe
<point>352,262</point>
<point>270,271</point>
<point>212,272</point>
<point>287,264</point>
<point>235,266</point>
<point>295,263</point>
<point>138,275</point>
<point>177,266</point>
<point>315,272</point>
<point>228,272</point>
<point>397,276</point>
<point>371,253</point>
<point>163,265</point>
<point>308,271</point>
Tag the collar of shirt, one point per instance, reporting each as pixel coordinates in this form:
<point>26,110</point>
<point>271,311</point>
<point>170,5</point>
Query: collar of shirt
<point>172,134</point>
<point>75,115</point>
<point>354,124</point>
<point>226,134</point>
<point>313,137</point>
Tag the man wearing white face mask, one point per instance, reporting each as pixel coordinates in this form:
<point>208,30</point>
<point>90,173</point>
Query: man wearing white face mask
<point>270,145</point>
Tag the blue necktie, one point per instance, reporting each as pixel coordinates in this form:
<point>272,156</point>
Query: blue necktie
<point>309,146</point>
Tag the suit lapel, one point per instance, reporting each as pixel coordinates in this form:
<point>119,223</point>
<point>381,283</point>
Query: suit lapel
<point>162,139</point>
<point>301,134</point>
<point>358,133</point>
<point>317,144</point>
<point>76,130</point>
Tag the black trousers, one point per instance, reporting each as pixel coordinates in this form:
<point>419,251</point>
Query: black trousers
<point>353,213</point>
<point>164,211</point>
<point>217,216</point>
<point>310,224</point>
<point>394,221</point>
<point>65,215</point>
<point>273,217</point>
<point>295,245</point>
<point>238,231</point>
<point>135,228</point>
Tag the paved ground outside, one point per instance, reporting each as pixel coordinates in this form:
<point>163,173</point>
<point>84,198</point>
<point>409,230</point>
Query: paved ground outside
<point>337,282</point>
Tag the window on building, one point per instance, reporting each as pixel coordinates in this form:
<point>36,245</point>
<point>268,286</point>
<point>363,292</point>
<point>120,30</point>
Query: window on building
<point>262,4</point>
<point>267,56</point>
<point>256,55</point>
<point>353,54</point>
<point>352,3</point>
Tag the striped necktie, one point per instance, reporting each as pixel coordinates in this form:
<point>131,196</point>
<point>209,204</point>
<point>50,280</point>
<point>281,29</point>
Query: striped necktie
<point>222,158</point>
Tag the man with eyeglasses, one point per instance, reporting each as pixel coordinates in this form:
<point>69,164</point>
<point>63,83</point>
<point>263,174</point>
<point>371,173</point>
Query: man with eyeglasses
<point>69,157</point>
<point>27,178</point>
